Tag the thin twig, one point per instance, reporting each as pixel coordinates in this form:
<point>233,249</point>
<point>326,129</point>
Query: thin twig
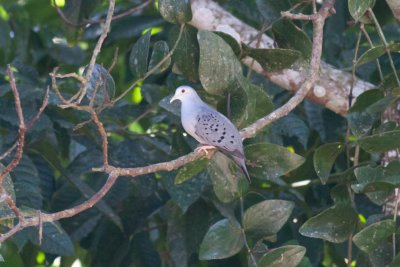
<point>21,131</point>
<point>106,28</point>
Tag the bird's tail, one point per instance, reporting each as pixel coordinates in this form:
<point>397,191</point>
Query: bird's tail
<point>242,165</point>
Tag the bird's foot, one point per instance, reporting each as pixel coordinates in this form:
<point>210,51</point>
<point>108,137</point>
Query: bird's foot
<point>204,148</point>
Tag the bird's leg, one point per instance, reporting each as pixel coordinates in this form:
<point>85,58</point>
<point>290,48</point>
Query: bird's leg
<point>202,147</point>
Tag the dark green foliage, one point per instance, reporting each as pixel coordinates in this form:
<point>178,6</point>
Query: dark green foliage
<point>317,178</point>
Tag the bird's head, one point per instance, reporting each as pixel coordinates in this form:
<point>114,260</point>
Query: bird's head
<point>183,93</point>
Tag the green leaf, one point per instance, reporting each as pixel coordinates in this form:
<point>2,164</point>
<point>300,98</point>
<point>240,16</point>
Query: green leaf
<point>269,161</point>
<point>8,186</point>
<point>232,42</point>
<point>324,158</point>
<point>271,9</point>
<point>238,105</point>
<point>368,108</point>
<point>292,37</point>
<point>373,235</point>
<point>267,217</point>
<point>228,180</point>
<point>371,54</point>
<point>101,85</point>
<point>380,142</point>
<point>389,83</point>
<point>27,184</point>
<point>81,164</point>
<point>138,59</point>
<point>76,10</point>
<point>223,240</point>
<point>292,126</point>
<point>357,8</point>
<point>273,60</point>
<point>288,256</point>
<point>378,183</point>
<point>5,39</point>
<point>175,11</point>
<point>187,193</point>
<point>189,170</point>
<point>218,67</point>
<point>334,224</point>
<point>160,51</point>
<point>259,104</point>
<point>187,52</point>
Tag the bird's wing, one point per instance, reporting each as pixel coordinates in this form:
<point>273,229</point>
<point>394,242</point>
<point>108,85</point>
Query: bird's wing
<point>215,129</point>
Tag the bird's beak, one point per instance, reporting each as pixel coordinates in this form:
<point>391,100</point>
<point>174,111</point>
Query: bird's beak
<point>172,99</point>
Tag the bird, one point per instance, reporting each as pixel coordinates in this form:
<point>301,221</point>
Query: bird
<point>209,127</point>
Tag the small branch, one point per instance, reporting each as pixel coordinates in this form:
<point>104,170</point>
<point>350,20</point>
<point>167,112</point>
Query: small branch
<point>44,217</point>
<point>103,135</point>
<point>171,52</point>
<point>106,28</point>
<point>318,23</point>
<point>21,131</point>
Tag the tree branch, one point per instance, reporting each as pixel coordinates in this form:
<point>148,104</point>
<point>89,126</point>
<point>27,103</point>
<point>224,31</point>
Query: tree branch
<point>394,5</point>
<point>331,88</point>
<point>115,172</point>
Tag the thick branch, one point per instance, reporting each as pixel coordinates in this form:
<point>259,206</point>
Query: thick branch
<point>394,5</point>
<point>331,89</point>
<point>44,217</point>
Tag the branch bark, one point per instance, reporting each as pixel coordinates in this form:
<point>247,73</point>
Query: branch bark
<point>332,86</point>
<point>394,5</point>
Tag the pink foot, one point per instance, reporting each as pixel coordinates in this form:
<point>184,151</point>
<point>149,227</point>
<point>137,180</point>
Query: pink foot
<point>204,148</point>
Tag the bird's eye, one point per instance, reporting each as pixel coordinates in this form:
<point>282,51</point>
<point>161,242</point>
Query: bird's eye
<point>183,90</point>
